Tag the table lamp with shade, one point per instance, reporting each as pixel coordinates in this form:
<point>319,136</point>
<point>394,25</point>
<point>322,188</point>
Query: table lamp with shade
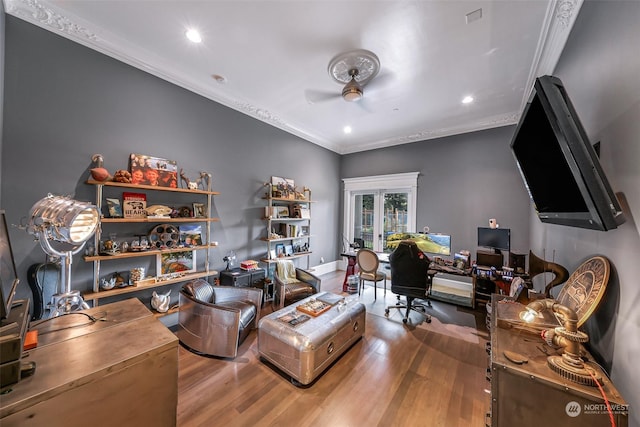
<point>63,225</point>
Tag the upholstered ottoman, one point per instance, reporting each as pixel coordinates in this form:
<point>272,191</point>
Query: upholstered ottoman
<point>306,349</point>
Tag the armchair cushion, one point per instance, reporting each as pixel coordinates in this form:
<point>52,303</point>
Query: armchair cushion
<point>247,311</point>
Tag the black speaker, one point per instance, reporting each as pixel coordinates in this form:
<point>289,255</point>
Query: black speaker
<point>489,259</point>
<point>518,262</point>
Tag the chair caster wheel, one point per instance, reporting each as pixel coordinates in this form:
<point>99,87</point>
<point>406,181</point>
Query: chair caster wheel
<point>386,313</point>
<point>404,320</point>
<point>428,319</point>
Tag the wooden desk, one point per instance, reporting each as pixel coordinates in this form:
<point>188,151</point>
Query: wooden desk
<point>532,394</point>
<point>118,372</point>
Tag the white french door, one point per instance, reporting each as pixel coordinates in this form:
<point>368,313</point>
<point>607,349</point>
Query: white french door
<point>377,206</point>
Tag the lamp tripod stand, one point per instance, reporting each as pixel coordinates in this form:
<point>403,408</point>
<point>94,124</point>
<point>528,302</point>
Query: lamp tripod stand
<point>63,226</point>
<point>67,300</point>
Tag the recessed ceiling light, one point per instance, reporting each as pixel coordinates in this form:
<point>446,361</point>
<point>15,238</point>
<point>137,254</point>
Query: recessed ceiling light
<point>193,35</point>
<point>467,99</point>
<point>347,129</point>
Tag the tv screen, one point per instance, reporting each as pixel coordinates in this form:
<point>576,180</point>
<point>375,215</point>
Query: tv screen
<point>559,166</point>
<point>439,244</point>
<point>8,274</point>
<point>495,238</point>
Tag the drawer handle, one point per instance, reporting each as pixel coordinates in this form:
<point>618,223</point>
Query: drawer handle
<point>330,348</point>
<point>356,326</point>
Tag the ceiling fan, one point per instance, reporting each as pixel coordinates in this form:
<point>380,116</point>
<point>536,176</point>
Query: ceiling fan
<point>354,69</point>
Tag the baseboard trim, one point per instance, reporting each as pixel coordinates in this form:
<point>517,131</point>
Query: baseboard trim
<point>327,267</point>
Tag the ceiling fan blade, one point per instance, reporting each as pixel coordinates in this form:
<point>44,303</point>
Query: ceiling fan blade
<point>316,96</point>
<point>380,81</point>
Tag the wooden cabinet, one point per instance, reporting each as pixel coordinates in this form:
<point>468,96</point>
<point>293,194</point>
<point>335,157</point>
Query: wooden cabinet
<point>288,227</point>
<point>526,392</point>
<point>123,227</point>
<point>120,370</point>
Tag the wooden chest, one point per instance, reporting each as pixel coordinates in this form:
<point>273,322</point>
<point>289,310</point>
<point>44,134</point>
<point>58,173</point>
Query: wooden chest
<point>307,349</point>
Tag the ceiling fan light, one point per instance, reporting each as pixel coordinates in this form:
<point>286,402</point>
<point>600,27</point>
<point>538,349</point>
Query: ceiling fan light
<point>352,91</point>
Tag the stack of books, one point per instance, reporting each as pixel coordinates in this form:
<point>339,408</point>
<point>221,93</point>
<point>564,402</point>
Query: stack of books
<point>249,265</point>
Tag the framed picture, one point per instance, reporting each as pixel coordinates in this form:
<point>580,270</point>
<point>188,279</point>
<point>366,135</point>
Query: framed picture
<point>288,250</point>
<point>279,250</point>
<point>191,235</point>
<point>148,170</point>
<point>272,254</point>
<point>282,212</point>
<point>114,208</point>
<point>199,210</point>
<point>282,187</point>
<point>176,262</point>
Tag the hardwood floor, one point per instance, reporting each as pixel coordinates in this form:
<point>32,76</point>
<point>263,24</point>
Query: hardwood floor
<point>419,374</point>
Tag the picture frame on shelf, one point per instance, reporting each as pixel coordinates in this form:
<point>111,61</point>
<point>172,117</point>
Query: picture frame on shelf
<point>175,263</point>
<point>272,254</point>
<point>282,187</point>
<point>154,171</point>
<point>288,250</point>
<point>114,208</point>
<point>282,212</point>
<point>191,234</point>
<point>199,210</point>
<point>280,250</point>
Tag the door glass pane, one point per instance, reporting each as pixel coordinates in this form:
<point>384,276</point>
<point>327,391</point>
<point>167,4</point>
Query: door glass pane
<point>395,218</point>
<point>363,220</point>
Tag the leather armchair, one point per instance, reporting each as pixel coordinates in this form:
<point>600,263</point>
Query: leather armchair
<point>289,289</point>
<point>215,320</point>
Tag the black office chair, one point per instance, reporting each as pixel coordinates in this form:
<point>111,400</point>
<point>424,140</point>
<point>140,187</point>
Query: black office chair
<point>409,278</point>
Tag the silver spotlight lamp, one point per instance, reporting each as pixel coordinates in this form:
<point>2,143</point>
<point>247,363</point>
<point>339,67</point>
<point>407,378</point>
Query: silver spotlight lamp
<point>62,226</point>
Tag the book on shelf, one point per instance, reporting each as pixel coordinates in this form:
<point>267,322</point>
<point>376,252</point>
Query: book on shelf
<point>314,307</point>
<point>293,318</point>
<point>134,205</point>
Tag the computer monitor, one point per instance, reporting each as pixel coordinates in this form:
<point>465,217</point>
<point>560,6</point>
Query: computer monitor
<point>432,243</point>
<point>8,274</point>
<point>498,239</point>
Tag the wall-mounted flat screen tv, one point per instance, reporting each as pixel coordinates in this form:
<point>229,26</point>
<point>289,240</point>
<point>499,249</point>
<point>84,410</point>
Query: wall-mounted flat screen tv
<point>558,164</point>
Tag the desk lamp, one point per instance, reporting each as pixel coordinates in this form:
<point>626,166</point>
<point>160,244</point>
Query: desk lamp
<point>570,365</point>
<point>63,226</point>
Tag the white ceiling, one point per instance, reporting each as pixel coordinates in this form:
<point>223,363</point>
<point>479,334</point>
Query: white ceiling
<point>274,56</point>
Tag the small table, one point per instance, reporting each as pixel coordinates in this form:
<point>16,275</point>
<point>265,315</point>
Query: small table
<point>305,350</point>
<point>352,265</point>
<point>352,268</point>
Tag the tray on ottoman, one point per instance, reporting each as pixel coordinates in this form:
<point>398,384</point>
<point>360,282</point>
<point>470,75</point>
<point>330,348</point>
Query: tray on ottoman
<point>307,348</point>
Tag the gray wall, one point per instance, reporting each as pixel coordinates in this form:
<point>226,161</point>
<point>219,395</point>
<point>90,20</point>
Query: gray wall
<point>65,102</point>
<point>599,68</point>
<point>464,180</point>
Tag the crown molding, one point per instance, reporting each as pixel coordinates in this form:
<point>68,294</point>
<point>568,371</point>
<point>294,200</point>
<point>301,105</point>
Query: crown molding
<point>559,20</point>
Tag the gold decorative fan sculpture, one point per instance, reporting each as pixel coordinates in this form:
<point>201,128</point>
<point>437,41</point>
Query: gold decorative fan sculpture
<point>585,287</point>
